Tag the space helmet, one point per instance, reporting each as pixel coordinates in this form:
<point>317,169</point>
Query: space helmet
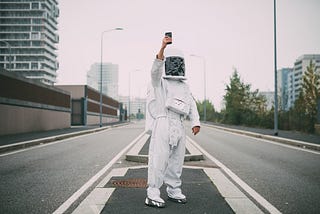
<point>174,64</point>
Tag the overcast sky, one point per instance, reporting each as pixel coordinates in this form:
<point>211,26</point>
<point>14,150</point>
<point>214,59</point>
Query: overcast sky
<point>227,33</point>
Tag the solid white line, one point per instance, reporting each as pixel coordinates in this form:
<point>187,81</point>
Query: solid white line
<point>136,149</point>
<point>263,202</point>
<point>87,185</point>
<point>267,141</point>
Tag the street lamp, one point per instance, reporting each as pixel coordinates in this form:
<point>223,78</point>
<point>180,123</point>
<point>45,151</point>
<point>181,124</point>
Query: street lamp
<point>7,43</point>
<point>275,71</point>
<point>204,86</point>
<point>101,53</point>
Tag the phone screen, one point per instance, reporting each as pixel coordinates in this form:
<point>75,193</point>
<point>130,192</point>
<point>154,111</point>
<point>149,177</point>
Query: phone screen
<point>169,34</point>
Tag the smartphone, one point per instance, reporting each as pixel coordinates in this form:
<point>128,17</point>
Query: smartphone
<point>169,34</point>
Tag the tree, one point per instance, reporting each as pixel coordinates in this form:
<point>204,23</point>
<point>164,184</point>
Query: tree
<point>210,111</point>
<point>234,100</point>
<point>298,116</point>
<point>305,108</point>
<point>243,106</point>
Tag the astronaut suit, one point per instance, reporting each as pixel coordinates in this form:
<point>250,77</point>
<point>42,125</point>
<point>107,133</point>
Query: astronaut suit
<point>170,103</point>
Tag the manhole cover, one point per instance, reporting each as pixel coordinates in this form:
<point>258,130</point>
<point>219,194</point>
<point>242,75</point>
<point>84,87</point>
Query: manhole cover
<point>130,183</point>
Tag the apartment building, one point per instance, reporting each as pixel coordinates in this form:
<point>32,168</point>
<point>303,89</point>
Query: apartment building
<point>295,78</point>
<point>28,38</point>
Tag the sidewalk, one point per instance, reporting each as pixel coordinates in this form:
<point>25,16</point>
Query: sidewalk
<point>293,135</point>
<point>16,138</point>
<point>23,140</point>
<point>291,138</point>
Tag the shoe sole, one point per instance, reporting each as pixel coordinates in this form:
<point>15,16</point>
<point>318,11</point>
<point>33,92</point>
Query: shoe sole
<point>152,203</point>
<point>179,201</point>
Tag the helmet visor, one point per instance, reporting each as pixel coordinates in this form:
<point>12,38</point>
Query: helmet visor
<point>174,66</point>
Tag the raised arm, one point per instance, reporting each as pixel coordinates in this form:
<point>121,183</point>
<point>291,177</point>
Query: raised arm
<point>156,71</point>
<point>165,40</point>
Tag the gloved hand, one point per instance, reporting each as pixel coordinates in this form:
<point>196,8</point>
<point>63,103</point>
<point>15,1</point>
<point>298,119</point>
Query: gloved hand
<point>195,130</point>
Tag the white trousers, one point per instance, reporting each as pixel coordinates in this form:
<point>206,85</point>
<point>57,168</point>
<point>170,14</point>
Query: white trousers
<point>166,156</point>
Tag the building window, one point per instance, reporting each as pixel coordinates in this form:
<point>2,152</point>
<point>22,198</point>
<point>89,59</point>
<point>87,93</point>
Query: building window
<point>36,43</point>
<point>22,65</point>
<point>35,35</point>
<point>37,28</point>
<point>35,6</point>
<point>36,21</point>
<point>34,65</point>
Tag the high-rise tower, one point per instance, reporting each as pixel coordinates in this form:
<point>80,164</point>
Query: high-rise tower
<point>28,38</point>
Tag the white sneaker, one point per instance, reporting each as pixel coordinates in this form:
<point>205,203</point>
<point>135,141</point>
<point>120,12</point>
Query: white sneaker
<point>155,203</point>
<point>153,198</point>
<point>176,195</point>
<point>177,200</point>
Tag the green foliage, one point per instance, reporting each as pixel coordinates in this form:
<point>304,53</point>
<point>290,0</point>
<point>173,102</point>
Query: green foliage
<point>211,114</point>
<point>242,106</point>
<point>304,113</point>
<point>246,107</point>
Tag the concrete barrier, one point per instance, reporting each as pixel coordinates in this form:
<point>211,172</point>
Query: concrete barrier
<point>28,106</point>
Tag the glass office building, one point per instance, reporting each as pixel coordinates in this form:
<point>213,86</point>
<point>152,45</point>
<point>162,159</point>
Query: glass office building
<point>110,78</point>
<point>28,38</point>
<point>283,87</point>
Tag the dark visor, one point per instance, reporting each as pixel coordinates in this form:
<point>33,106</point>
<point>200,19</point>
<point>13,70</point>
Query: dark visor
<point>174,66</point>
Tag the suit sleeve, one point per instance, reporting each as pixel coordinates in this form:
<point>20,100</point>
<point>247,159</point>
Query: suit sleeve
<point>194,115</point>
<point>156,72</point>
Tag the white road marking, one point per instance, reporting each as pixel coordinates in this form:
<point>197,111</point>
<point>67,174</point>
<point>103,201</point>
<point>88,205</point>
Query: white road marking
<point>263,202</point>
<point>237,200</point>
<point>87,185</point>
<point>136,149</point>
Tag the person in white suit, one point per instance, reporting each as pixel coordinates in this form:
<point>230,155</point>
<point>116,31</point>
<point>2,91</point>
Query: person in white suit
<point>169,103</point>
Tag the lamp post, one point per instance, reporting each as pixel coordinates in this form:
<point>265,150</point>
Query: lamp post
<point>101,54</point>
<point>7,43</point>
<point>275,71</point>
<point>204,86</point>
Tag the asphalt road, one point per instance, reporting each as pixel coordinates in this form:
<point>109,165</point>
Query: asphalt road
<point>40,179</point>
<point>288,178</point>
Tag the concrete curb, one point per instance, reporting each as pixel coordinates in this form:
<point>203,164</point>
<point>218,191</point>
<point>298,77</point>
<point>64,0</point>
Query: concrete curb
<point>134,156</point>
<point>297,143</point>
<point>26,144</point>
